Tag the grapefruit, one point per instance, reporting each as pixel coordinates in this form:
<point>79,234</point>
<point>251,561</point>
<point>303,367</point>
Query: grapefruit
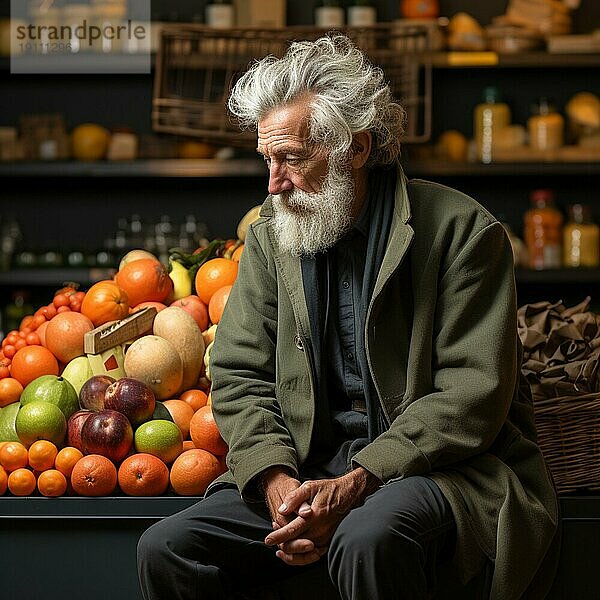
<point>160,438</point>
<point>53,389</point>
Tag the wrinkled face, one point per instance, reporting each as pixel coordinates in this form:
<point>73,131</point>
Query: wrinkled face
<point>312,195</point>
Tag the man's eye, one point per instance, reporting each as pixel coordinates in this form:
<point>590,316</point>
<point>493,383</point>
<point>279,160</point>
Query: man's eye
<point>292,160</point>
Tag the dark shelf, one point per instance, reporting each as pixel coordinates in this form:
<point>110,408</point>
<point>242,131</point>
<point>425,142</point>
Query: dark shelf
<point>243,167</point>
<point>488,59</point>
<point>549,276</point>
<point>249,167</point>
<point>447,168</point>
<point>109,507</point>
<point>54,277</point>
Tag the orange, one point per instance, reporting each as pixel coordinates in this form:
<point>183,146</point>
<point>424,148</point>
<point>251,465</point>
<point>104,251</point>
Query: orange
<point>188,445</point>
<point>182,414</point>
<point>205,433</point>
<point>42,454</point>
<point>195,398</point>
<point>193,471</point>
<point>52,483</point>
<point>237,253</point>
<point>144,280</point>
<point>143,475</point>
<point>66,459</point>
<point>10,391</point>
<point>21,482</point>
<point>217,303</point>
<point>94,475</point>
<point>32,362</point>
<point>3,480</point>
<point>64,335</point>
<point>214,274</point>
<point>13,455</point>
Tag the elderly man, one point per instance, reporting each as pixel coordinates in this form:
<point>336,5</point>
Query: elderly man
<point>366,371</point>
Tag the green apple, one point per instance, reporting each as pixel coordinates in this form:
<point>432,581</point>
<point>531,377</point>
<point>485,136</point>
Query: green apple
<point>77,372</point>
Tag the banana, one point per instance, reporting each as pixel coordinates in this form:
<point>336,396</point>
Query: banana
<point>182,282</point>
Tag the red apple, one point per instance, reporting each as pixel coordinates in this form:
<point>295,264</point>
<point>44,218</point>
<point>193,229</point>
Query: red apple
<point>109,433</point>
<point>133,398</point>
<point>92,392</point>
<point>74,425</point>
<point>195,307</point>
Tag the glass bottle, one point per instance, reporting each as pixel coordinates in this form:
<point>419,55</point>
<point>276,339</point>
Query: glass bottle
<point>543,231</point>
<point>361,13</point>
<point>220,14</point>
<point>489,117</point>
<point>581,238</point>
<point>329,13</point>
<point>420,9</point>
<point>545,126</point>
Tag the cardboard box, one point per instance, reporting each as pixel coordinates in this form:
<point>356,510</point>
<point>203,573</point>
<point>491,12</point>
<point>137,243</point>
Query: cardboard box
<point>262,14</point>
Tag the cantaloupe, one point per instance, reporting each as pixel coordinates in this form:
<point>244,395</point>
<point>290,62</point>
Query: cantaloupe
<point>156,362</point>
<point>179,328</point>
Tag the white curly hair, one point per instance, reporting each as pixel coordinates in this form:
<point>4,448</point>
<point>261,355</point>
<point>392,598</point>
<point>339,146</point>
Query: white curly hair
<point>347,95</point>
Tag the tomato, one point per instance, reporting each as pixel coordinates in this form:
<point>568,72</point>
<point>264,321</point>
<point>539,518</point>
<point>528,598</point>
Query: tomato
<point>61,300</point>
<point>69,288</point>
<point>9,350</point>
<point>37,321</point>
<point>25,322</point>
<point>50,311</point>
<point>33,339</point>
<point>105,301</point>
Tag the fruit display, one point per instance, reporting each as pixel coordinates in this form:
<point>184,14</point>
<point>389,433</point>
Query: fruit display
<point>106,391</point>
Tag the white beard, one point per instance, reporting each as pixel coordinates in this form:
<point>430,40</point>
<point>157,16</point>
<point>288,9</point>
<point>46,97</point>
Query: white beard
<point>305,224</point>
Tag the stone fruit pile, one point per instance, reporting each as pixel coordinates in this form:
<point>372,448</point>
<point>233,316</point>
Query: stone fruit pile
<point>107,391</point>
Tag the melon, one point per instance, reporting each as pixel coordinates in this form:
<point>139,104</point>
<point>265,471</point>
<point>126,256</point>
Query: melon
<point>154,360</point>
<point>178,327</point>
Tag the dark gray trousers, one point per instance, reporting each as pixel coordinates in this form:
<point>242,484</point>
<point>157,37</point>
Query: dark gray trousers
<point>389,548</point>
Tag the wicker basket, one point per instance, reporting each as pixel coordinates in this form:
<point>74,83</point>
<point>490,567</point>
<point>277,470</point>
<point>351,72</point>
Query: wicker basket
<point>197,66</point>
<point>568,429</point>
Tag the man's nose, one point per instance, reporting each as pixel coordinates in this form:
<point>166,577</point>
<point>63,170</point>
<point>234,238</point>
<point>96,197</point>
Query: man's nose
<point>278,180</point>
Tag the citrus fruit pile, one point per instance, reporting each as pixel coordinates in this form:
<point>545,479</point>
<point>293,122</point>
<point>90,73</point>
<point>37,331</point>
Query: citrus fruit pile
<point>132,419</point>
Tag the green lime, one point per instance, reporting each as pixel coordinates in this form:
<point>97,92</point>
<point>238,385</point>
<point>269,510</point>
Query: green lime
<point>40,420</point>
<point>8,414</point>
<point>53,389</point>
<point>161,438</point>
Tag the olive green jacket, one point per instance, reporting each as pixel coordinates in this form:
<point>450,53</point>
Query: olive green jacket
<point>442,347</point>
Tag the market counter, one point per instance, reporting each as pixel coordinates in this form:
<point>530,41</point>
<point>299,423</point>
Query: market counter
<point>74,548</point>
<point>85,548</point>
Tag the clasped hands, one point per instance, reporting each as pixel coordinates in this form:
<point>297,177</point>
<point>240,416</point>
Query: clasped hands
<point>305,516</point>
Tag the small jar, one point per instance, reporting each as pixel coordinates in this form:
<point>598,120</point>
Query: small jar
<point>362,14</point>
<point>329,14</point>
<point>220,14</point>
<point>545,126</point>
<point>581,238</point>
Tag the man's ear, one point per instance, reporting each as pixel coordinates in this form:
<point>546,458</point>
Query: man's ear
<point>361,149</point>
